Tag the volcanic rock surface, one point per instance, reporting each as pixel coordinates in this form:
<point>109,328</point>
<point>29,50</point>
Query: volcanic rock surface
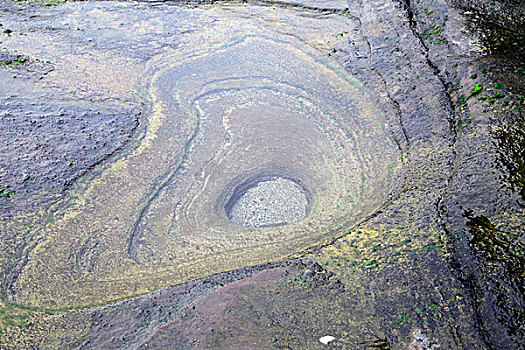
<point>261,174</point>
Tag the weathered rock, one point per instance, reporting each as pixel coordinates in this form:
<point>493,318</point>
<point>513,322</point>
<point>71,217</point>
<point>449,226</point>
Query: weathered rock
<point>437,260</point>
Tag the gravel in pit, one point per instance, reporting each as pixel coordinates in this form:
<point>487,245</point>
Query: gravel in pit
<point>270,203</point>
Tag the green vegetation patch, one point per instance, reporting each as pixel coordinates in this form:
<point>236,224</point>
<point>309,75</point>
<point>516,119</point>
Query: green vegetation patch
<point>13,315</point>
<point>476,90</point>
<point>370,250</point>
<point>16,62</point>
<point>6,192</point>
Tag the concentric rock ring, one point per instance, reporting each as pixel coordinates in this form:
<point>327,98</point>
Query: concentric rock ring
<point>238,105</point>
<point>249,116</point>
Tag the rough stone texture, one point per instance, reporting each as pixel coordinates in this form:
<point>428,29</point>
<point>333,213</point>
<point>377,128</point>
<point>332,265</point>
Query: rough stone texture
<point>48,142</point>
<point>227,98</point>
<point>440,262</point>
<point>504,13</point>
<point>46,146</point>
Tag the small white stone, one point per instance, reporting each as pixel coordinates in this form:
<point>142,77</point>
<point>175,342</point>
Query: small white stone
<point>326,339</point>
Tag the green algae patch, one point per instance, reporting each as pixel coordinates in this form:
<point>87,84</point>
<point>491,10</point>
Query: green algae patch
<point>397,270</point>
<point>20,60</point>
<point>369,250</point>
<point>29,327</point>
<point>476,90</point>
<point>6,191</point>
<point>12,315</point>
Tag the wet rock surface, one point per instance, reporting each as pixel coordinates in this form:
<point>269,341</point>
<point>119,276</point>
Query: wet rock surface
<point>434,260</point>
<point>47,146</point>
<point>239,100</point>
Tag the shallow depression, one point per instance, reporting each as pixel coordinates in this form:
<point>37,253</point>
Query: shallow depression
<point>274,202</point>
<point>238,110</point>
